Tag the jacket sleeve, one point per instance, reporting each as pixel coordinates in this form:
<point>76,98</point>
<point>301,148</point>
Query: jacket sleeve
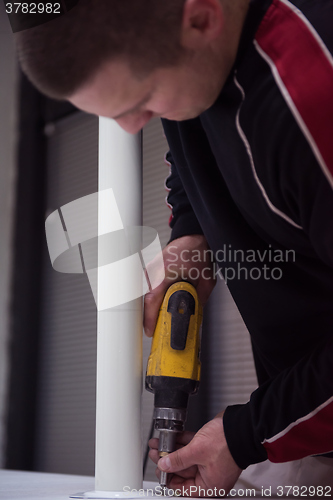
<point>183,220</point>
<point>287,418</point>
<point>290,416</point>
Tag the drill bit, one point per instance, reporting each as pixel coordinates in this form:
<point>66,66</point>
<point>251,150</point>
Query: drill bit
<point>163,479</point>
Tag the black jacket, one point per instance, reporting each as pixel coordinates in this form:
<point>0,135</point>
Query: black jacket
<point>254,174</point>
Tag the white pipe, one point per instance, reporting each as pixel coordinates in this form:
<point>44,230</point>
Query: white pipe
<point>119,338</point>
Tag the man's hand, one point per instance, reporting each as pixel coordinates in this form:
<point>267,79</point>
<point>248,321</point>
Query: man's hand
<point>187,258</point>
<point>202,459</point>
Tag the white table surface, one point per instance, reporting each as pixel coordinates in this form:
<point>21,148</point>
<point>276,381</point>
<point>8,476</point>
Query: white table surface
<point>18,485</point>
<point>22,485</point>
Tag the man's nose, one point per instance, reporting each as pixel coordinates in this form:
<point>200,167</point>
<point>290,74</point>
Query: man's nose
<point>135,122</point>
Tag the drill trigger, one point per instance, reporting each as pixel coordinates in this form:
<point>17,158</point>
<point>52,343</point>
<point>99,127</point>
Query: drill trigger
<point>181,305</point>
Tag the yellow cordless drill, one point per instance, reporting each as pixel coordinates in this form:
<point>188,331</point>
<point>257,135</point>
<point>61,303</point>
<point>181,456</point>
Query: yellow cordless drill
<point>173,369</point>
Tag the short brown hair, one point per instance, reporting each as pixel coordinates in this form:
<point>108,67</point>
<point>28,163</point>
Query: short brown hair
<point>62,55</point>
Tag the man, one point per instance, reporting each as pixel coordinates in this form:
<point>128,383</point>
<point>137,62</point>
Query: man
<point>245,93</point>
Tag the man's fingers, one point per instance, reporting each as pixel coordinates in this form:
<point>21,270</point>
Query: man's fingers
<point>204,289</point>
<point>187,473</point>
<point>154,456</point>
<point>179,460</point>
<point>153,443</point>
<point>183,438</point>
<point>184,474</point>
<point>152,303</point>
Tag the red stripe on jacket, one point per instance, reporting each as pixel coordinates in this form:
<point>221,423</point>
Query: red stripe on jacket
<point>306,71</point>
<point>311,436</point>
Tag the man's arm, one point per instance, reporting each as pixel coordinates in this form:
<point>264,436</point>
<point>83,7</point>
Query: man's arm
<point>180,256</point>
<point>183,220</point>
<point>263,428</point>
<point>289,416</point>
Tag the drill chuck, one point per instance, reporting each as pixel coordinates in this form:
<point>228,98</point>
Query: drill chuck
<point>171,419</point>
<point>168,421</point>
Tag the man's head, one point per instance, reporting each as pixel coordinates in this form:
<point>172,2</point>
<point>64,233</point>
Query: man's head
<point>61,55</point>
<point>133,59</point>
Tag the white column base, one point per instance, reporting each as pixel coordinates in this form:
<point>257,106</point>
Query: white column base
<point>148,491</point>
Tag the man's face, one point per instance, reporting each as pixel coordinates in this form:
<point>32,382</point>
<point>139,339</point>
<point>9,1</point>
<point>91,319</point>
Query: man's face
<point>177,93</point>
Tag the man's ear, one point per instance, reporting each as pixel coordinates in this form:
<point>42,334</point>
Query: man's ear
<point>203,22</point>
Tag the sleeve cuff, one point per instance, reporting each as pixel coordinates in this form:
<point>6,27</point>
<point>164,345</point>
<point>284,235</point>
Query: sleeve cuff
<point>185,225</point>
<point>242,443</point>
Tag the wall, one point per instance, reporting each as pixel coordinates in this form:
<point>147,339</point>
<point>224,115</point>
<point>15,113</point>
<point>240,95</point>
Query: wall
<point>8,85</point>
<point>65,434</point>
